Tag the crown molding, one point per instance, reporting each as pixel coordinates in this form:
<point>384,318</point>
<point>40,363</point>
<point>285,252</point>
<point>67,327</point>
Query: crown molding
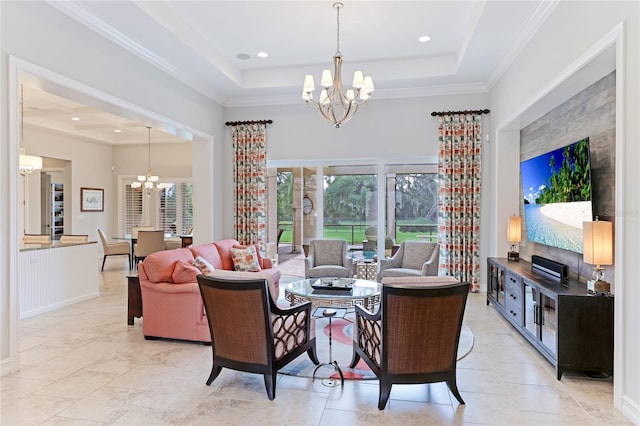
<point>78,13</point>
<point>533,24</point>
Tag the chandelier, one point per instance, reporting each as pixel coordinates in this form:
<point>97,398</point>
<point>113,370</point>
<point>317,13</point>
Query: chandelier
<point>28,163</point>
<point>148,182</point>
<point>336,104</point>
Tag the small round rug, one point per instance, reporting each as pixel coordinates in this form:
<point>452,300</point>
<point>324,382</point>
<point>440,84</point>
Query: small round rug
<point>342,351</point>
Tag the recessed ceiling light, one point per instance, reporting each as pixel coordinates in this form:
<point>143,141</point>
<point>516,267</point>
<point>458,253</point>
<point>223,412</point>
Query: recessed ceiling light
<point>117,130</point>
<point>424,39</point>
<point>243,56</point>
<point>75,118</point>
<point>263,54</point>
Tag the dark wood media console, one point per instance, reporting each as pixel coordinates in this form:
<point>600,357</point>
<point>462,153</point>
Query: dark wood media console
<point>568,326</point>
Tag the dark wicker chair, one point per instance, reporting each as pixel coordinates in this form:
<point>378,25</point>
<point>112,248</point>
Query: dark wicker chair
<point>250,333</point>
<point>413,337</point>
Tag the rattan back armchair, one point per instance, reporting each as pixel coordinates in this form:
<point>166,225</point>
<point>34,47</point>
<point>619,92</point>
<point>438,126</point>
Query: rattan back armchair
<point>251,333</point>
<point>413,337</point>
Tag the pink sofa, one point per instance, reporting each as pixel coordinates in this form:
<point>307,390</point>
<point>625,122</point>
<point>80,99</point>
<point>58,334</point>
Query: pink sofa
<point>171,302</point>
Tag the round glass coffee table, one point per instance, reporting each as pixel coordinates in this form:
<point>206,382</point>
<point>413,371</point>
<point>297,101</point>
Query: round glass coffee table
<point>361,292</point>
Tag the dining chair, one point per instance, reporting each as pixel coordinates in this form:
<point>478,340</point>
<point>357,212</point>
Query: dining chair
<point>136,229</point>
<point>114,249</point>
<point>71,239</point>
<point>148,242</point>
<point>36,239</point>
<point>173,243</point>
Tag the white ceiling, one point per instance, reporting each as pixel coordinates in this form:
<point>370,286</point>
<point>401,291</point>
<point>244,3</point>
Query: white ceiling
<point>472,44</point>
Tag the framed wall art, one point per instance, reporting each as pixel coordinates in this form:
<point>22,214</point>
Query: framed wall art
<point>91,200</point>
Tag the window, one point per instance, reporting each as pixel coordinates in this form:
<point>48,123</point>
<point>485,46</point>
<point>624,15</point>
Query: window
<point>132,208</point>
<point>416,201</point>
<point>169,209</point>
<point>175,208</point>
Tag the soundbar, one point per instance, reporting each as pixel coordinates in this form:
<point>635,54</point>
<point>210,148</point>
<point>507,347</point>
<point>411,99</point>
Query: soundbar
<point>557,269</point>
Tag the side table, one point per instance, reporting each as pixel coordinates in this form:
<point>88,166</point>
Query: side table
<point>322,312</point>
<point>187,240</point>
<point>367,271</point>
<point>134,308</point>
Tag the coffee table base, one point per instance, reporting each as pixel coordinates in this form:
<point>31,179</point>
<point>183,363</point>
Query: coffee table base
<point>366,302</point>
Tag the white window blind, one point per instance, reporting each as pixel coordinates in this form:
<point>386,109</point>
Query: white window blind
<point>132,208</point>
<point>167,203</point>
<point>175,208</point>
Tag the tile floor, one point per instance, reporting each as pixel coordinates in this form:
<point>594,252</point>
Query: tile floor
<point>82,365</point>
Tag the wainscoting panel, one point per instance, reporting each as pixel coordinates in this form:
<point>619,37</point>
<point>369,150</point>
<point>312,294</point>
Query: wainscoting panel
<point>54,277</point>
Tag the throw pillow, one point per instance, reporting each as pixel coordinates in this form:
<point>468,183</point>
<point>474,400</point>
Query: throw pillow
<point>205,267</point>
<point>245,260</point>
<point>258,254</point>
<point>184,272</point>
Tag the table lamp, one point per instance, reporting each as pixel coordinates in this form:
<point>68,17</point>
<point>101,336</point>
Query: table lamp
<point>514,236</point>
<point>598,251</point>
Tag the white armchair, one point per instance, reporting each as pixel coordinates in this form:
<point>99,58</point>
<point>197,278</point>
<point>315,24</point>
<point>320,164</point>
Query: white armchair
<point>328,258</point>
<point>413,259</point>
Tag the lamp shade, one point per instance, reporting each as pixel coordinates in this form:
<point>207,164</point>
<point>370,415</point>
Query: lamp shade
<point>514,230</point>
<point>598,243</point>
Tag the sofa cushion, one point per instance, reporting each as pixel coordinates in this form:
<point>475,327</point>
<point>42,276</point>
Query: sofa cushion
<point>224,250</point>
<point>245,259</point>
<point>184,272</point>
<point>203,265</point>
<point>209,252</point>
<point>159,266</point>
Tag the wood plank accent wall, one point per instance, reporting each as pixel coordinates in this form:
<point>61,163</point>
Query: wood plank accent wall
<point>590,113</point>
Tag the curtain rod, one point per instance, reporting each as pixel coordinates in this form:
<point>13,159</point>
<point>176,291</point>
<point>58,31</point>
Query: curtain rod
<point>473,111</point>
<point>236,123</point>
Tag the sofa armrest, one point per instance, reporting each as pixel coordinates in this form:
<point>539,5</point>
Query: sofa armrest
<point>432,266</point>
<point>394,261</point>
<point>266,263</point>
<point>308,264</point>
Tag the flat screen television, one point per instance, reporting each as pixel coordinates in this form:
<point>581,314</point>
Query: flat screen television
<point>557,196</point>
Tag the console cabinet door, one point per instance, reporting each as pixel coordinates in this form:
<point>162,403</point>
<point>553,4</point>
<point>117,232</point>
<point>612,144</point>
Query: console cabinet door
<point>548,322</point>
<point>496,290</point>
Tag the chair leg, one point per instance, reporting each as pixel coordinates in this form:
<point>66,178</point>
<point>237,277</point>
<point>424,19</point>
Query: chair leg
<point>103,260</point>
<point>453,386</point>
<point>354,360</point>
<point>385,391</point>
<point>215,371</point>
<point>270,384</point>
<point>313,355</point>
